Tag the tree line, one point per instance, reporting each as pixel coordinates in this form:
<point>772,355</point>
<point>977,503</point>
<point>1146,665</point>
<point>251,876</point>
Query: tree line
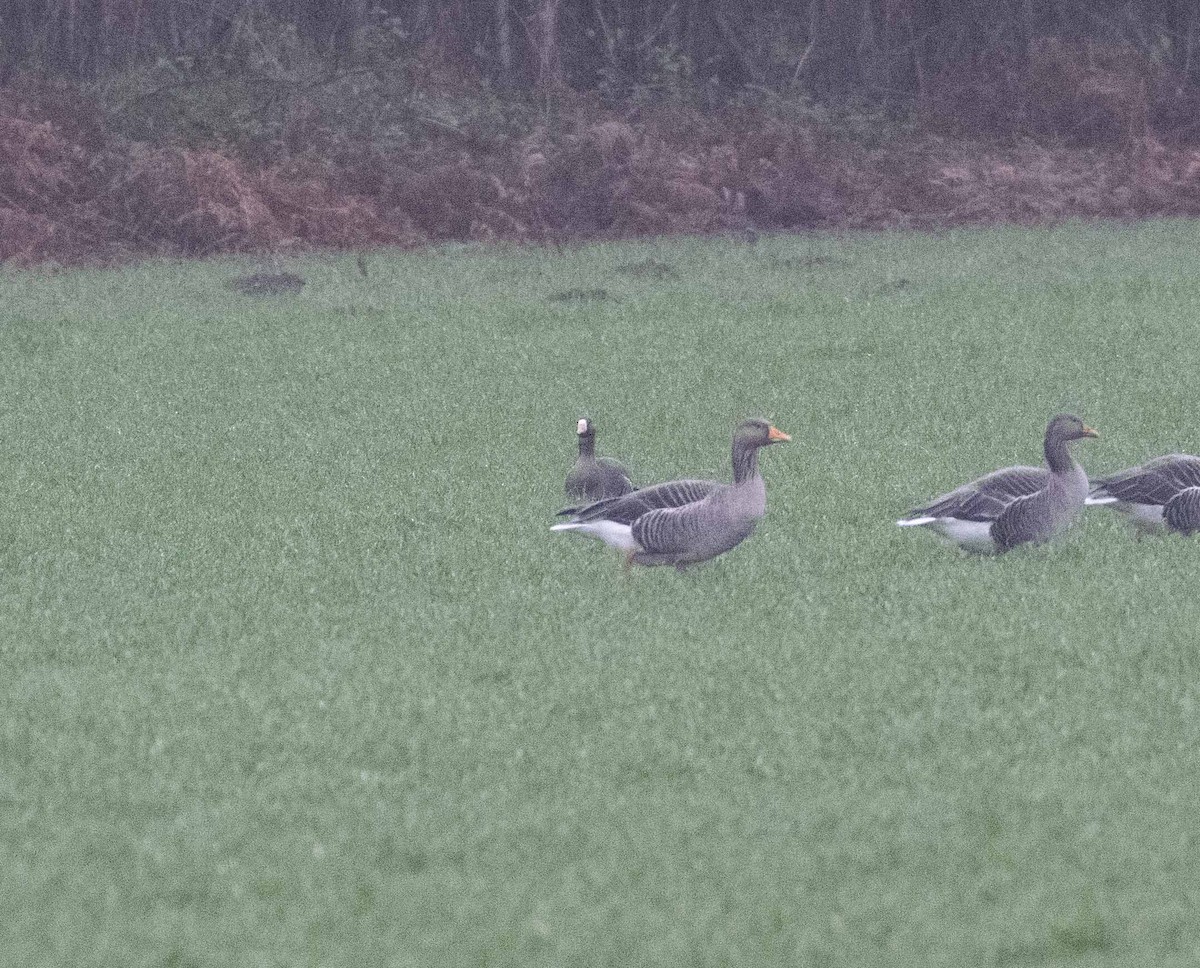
<point>832,50</point>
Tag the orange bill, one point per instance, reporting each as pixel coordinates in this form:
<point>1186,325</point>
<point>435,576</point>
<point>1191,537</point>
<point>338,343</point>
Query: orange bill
<point>1089,432</point>
<point>777,435</point>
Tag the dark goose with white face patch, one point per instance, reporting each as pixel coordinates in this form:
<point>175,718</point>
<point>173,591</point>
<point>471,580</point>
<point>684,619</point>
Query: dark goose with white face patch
<point>594,478</point>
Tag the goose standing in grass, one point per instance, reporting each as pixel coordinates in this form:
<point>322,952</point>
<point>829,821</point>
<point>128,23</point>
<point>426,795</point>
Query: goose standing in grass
<point>684,522</point>
<point>595,478</point>
<point>1016,505</point>
<point>1160,495</point>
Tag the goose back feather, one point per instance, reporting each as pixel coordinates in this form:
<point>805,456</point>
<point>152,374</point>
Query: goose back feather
<point>986,498</point>
<point>626,509</point>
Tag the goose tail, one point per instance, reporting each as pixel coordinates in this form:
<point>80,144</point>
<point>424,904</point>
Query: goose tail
<point>914,522</point>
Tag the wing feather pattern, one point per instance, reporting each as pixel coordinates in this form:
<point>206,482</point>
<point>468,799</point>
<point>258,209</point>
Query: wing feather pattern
<point>986,498</point>
<point>627,509</point>
<point>1154,482</point>
<point>616,478</point>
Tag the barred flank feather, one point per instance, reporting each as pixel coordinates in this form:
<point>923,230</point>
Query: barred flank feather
<point>1182,512</point>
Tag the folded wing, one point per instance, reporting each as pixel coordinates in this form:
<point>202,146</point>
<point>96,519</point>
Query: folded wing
<point>986,498</point>
<point>627,509</point>
<point>1154,482</point>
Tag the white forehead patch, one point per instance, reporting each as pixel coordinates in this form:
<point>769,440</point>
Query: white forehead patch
<point>582,427</point>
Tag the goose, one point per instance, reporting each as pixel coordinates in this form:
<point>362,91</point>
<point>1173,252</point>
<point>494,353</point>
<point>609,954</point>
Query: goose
<point>1160,495</point>
<point>684,522</point>
<point>595,478</point>
<point>1015,505</point>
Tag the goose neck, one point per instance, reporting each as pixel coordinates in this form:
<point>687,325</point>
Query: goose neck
<point>745,462</point>
<point>1058,458</point>
<point>587,445</point>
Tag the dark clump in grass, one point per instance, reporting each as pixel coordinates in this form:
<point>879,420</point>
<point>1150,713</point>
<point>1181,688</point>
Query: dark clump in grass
<point>893,286</point>
<point>267,283</point>
<point>801,261</point>
<point>579,295</point>
<point>177,958</point>
<point>1082,933</point>
<point>649,269</point>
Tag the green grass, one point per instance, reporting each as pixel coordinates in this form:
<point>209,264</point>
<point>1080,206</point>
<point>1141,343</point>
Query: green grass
<point>294,672</point>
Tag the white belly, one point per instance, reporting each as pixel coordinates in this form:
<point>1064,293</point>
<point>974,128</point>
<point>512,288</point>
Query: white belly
<point>1144,517</point>
<point>975,536</point>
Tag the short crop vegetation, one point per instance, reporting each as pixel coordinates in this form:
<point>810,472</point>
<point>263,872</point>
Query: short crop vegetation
<point>294,672</point>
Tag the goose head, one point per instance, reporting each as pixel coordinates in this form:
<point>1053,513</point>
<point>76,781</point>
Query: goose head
<point>755,432</point>
<point>1067,427</point>
<point>749,436</point>
<point>1062,430</point>
<point>584,428</point>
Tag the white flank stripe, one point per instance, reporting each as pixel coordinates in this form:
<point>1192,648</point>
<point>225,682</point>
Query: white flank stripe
<point>611,533</point>
<point>1100,500</point>
<point>969,535</point>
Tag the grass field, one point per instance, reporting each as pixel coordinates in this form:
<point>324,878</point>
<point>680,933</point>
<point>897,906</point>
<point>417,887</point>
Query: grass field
<point>294,673</point>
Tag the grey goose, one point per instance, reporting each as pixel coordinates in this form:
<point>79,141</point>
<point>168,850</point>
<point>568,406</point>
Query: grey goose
<point>1160,495</point>
<point>1015,505</point>
<point>595,478</point>
<point>684,522</point>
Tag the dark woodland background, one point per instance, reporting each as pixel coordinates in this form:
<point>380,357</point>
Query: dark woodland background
<point>893,52</point>
<point>134,126</point>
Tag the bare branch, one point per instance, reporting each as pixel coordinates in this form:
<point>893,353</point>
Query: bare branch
<point>653,35</point>
<point>610,39</point>
<point>814,12</point>
<point>729,35</point>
